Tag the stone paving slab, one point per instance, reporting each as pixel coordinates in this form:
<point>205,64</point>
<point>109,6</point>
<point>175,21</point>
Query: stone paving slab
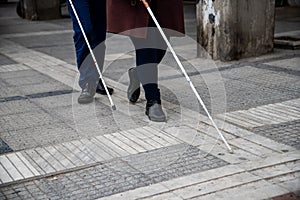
<point>25,120</point>
<point>242,72</point>
<point>282,82</point>
<point>19,74</point>
<point>4,148</point>
<point>14,24</point>
<point>6,91</point>
<point>24,80</point>
<point>265,115</point>
<point>43,135</point>
<point>13,68</point>
<point>4,61</point>
<point>292,63</point>
<point>60,44</point>
<point>286,133</point>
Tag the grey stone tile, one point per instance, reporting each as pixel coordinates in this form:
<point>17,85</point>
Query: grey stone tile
<point>14,25</point>
<point>286,133</point>
<point>4,148</point>
<point>241,95</point>
<point>43,88</point>
<point>20,74</point>
<point>5,60</point>
<point>40,135</point>
<point>15,107</point>
<point>25,120</point>
<point>50,102</point>
<point>28,80</point>
<point>64,52</point>
<point>241,72</point>
<point>6,91</point>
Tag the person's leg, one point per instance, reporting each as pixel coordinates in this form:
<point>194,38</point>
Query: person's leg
<point>95,32</point>
<point>92,15</point>
<point>98,20</point>
<point>147,71</point>
<point>149,53</point>
<point>88,86</point>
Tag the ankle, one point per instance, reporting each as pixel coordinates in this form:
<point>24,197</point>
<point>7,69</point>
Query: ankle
<point>152,102</point>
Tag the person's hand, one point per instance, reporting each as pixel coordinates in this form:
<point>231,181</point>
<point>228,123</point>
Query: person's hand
<point>145,3</point>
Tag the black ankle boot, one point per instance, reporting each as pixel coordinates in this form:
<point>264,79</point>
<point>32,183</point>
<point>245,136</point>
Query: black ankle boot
<point>100,89</point>
<point>154,111</point>
<point>133,91</point>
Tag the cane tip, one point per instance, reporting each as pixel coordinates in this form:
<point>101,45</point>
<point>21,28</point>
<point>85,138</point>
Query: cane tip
<point>230,151</point>
<point>114,107</point>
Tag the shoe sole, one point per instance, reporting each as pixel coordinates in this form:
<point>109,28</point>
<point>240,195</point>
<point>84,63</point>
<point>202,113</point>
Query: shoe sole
<point>133,83</point>
<point>85,102</point>
<point>163,119</point>
<point>157,119</point>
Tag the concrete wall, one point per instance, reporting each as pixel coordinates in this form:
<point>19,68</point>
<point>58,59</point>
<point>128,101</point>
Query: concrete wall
<point>233,29</point>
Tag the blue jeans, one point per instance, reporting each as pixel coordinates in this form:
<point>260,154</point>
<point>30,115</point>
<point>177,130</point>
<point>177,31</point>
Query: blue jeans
<point>92,14</point>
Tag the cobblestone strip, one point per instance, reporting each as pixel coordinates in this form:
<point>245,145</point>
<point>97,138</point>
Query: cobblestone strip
<point>286,133</point>
<point>251,180</point>
<point>70,155</point>
<point>265,115</point>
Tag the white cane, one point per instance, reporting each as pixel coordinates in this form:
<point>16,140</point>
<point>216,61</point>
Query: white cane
<point>184,73</point>
<point>93,56</point>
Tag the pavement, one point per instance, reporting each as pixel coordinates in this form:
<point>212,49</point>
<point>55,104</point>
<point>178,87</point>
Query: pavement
<point>54,148</point>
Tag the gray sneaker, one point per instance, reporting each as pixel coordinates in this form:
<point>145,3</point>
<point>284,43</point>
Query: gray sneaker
<point>87,94</point>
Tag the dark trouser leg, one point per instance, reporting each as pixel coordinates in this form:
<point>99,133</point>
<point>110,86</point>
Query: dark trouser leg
<point>92,14</point>
<point>149,53</point>
<point>147,61</point>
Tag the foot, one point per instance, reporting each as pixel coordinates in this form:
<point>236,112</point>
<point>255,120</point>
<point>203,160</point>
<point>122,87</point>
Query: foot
<point>87,94</point>
<point>133,91</point>
<point>154,111</point>
<point>100,89</point>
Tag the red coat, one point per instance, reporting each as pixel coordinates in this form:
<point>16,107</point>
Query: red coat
<point>125,15</point>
